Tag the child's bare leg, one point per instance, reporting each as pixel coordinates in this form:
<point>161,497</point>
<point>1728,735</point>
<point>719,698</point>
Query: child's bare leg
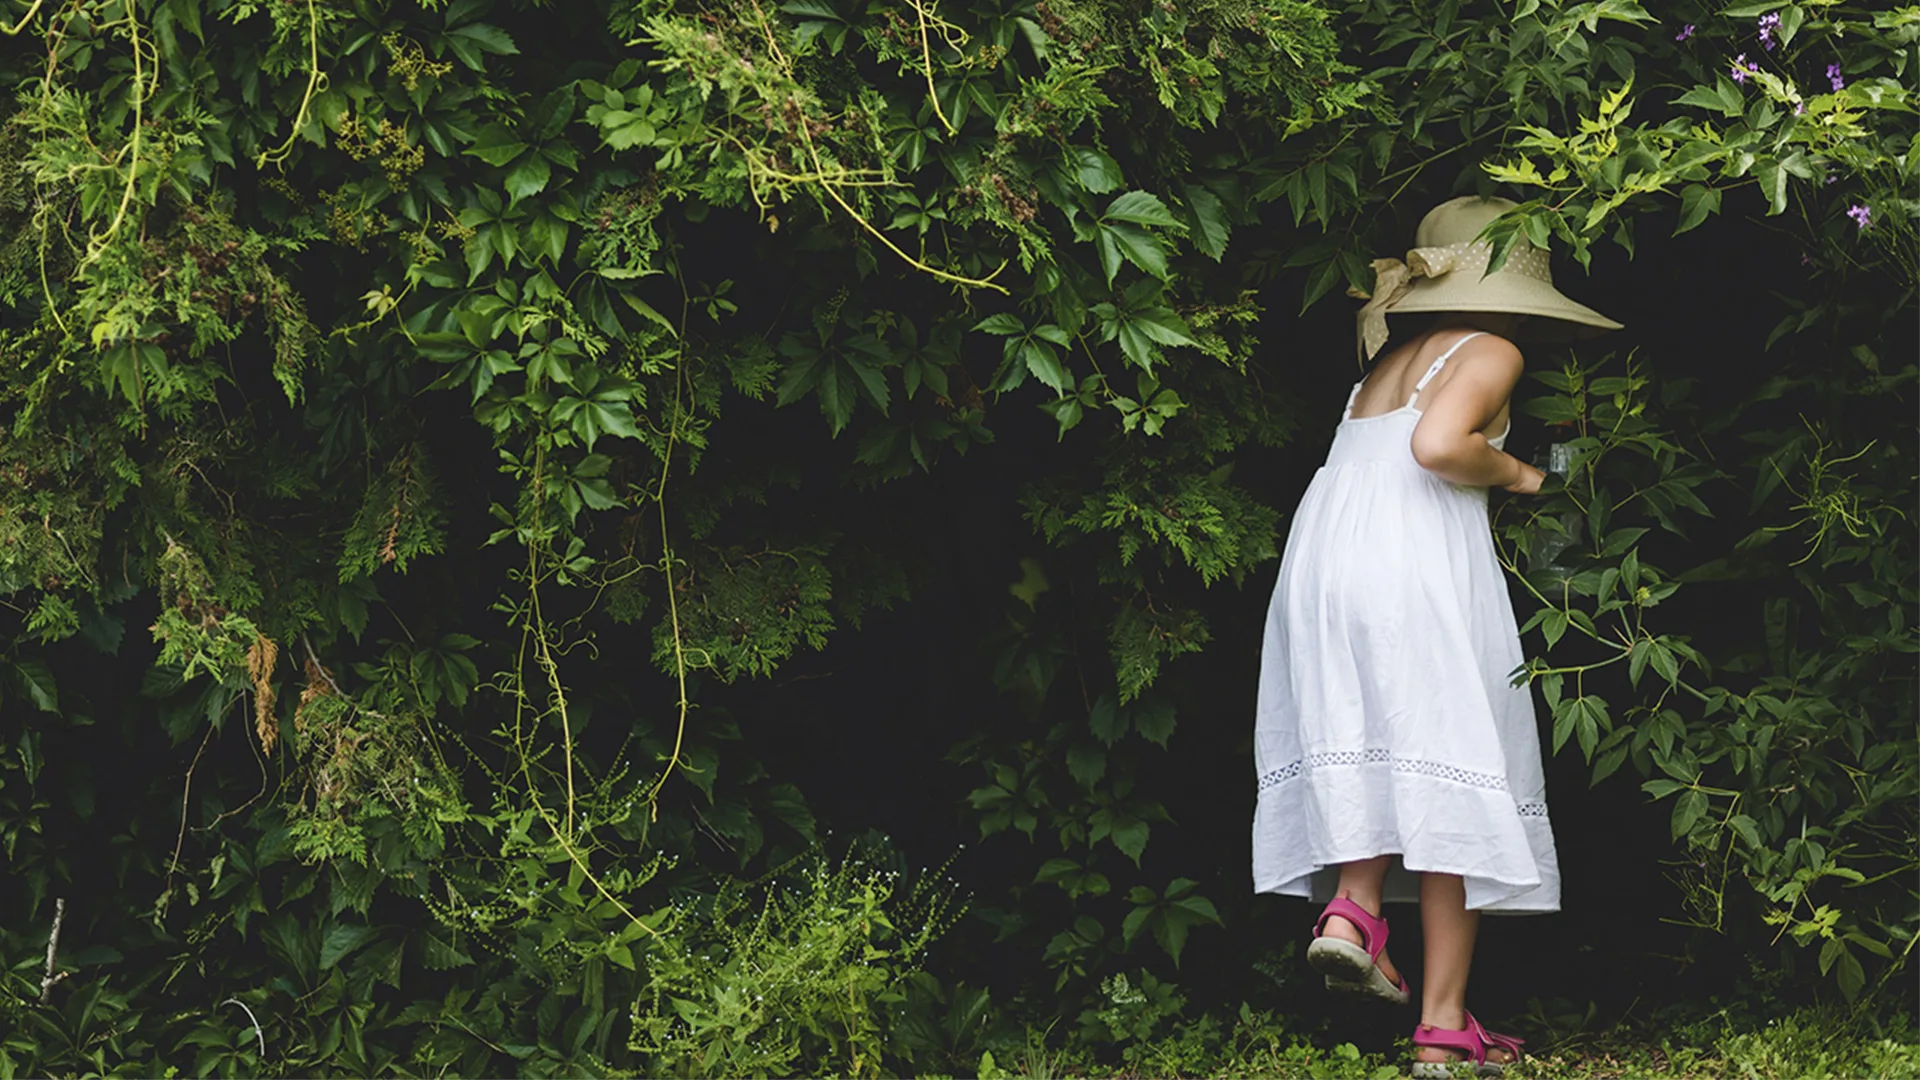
<point>1450,931</point>
<point>1361,883</point>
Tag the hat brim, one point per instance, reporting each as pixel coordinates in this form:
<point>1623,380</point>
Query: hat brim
<point>1515,294</point>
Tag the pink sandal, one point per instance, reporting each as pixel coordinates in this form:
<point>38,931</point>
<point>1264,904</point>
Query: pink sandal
<point>1474,1040</point>
<point>1354,968</point>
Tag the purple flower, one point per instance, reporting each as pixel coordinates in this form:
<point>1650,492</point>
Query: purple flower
<point>1768,23</point>
<point>1741,69</point>
<point>1833,76</point>
<point>1685,33</point>
<point>1861,215</point>
<point>1799,108</point>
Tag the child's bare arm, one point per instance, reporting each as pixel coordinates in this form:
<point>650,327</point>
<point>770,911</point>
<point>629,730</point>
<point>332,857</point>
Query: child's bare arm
<point>1448,440</point>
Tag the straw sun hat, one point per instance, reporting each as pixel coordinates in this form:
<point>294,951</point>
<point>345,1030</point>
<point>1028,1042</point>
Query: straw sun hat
<point>1446,271</point>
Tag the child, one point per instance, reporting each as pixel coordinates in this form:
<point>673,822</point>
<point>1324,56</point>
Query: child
<point>1387,723</point>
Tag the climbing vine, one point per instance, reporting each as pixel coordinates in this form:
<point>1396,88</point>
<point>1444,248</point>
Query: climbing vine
<point>428,423</point>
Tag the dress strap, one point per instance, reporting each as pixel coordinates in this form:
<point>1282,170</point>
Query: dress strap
<point>1434,368</point>
<point>1347,413</point>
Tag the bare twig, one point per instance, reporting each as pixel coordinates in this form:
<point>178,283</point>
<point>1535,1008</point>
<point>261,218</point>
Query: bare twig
<point>257,1033</point>
<point>322,668</point>
<point>186,794</point>
<point>53,947</point>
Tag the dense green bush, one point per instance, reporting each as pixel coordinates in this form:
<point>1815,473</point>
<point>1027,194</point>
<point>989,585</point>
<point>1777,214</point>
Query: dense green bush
<point>409,456</point>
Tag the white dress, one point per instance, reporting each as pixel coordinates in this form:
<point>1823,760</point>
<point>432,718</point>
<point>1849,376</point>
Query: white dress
<point>1387,721</point>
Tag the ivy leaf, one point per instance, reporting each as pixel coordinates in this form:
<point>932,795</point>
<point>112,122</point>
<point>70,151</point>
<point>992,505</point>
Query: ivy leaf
<point>596,494</point>
<point>1044,363</point>
<point>1210,228</point>
<point>1131,838</point>
<point>1107,720</point>
<point>798,379</point>
<point>1140,247</point>
<point>1109,251</point>
<point>468,42</point>
<point>1161,325</point>
<point>1140,208</point>
<point>554,112</point>
<point>1097,172</point>
<point>496,145</point>
<point>1154,719</point>
<point>1087,763</point>
<point>34,680</point>
<point>341,941</point>
<point>479,252</point>
<point>442,953</point>
<point>622,130</point>
<point>872,381</point>
<point>528,178</point>
<point>837,394</point>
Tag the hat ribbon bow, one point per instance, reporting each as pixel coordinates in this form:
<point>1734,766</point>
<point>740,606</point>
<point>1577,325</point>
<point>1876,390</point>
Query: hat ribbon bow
<point>1393,279</point>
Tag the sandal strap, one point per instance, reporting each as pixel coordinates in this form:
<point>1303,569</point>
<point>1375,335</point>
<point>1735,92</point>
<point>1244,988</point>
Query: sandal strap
<point>1450,1039</point>
<point>1493,1038</point>
<point>1373,929</point>
<point>1474,1039</point>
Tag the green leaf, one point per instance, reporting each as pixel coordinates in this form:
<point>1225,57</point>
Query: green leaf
<point>1688,811</point>
<point>1139,208</point>
<point>1131,839</point>
<point>871,380</point>
<point>486,38</point>
<point>1097,172</point>
<point>342,940</point>
<point>1161,325</point>
<point>34,680</point>
<point>1002,324</point>
<point>496,145</point>
<point>1792,18</point>
<point>1200,907</point>
<point>1107,720</point>
<point>1210,228</point>
<point>528,178</point>
<point>439,952</point>
<point>1087,763</point>
<point>1109,251</point>
<point>1723,98</point>
<point>1155,719</point>
<point>1773,184</point>
<point>1852,977</point>
<point>1045,365</point>
<point>596,494</point>
<point>1170,932</point>
<point>1139,247</point>
<point>1696,202</point>
<point>1660,789</point>
<point>624,130</point>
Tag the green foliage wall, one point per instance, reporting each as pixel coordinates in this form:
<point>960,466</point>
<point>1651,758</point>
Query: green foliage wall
<point>408,407</point>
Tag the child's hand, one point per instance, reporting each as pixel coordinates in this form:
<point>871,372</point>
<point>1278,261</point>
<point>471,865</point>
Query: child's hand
<point>1529,481</point>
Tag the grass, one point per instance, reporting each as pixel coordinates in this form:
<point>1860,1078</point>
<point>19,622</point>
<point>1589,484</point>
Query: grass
<point>1685,1042</point>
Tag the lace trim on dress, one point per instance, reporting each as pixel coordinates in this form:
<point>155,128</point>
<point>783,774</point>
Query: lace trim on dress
<point>1379,756</point>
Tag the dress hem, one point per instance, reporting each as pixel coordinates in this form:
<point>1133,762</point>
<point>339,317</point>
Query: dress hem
<point>1302,887</point>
